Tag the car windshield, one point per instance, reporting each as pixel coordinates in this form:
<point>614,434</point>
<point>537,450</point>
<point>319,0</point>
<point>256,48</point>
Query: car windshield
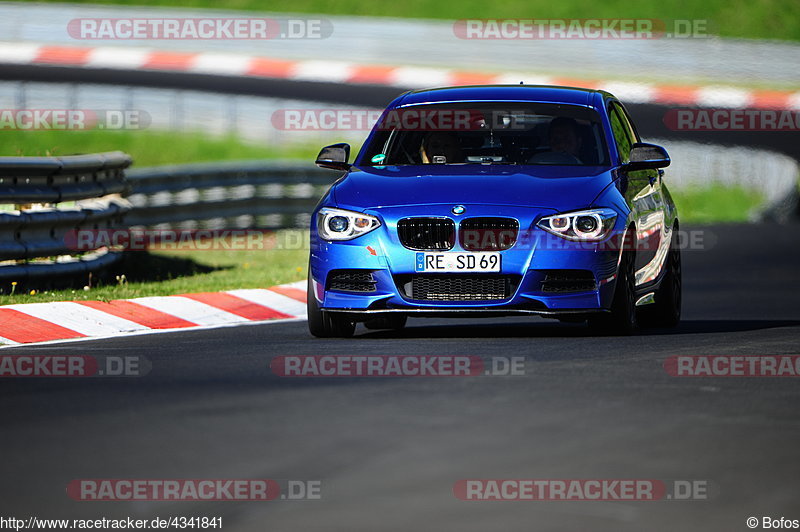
<point>517,133</point>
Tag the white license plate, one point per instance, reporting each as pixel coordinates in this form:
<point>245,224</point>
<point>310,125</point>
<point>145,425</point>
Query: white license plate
<point>486,261</point>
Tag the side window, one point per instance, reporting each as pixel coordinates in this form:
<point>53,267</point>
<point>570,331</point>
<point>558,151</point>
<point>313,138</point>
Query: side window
<point>621,130</point>
<point>626,118</point>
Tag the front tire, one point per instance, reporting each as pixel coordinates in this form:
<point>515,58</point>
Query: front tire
<point>325,324</point>
<point>666,310</point>
<point>622,319</point>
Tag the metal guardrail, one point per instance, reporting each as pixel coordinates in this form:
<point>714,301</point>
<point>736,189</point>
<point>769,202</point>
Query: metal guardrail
<point>37,237</point>
<point>57,179</point>
<point>262,194</point>
<point>34,223</point>
<point>43,233</point>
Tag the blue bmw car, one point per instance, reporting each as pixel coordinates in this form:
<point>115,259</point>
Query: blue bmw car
<point>496,201</point>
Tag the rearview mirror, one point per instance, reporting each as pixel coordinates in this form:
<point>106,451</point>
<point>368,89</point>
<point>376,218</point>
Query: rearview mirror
<point>647,156</point>
<point>334,157</point>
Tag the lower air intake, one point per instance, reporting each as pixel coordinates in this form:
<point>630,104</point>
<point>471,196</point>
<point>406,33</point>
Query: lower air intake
<point>565,281</point>
<point>458,287</point>
<point>351,281</point>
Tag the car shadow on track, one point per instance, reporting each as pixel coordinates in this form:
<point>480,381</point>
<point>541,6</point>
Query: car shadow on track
<point>564,330</point>
<point>722,326</point>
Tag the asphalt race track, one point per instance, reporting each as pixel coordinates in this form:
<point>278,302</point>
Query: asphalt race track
<point>388,451</point>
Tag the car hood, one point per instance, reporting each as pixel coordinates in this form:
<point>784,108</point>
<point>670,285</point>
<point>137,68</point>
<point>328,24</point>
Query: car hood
<point>551,187</point>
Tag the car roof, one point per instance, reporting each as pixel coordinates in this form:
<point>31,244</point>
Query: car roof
<point>533,93</point>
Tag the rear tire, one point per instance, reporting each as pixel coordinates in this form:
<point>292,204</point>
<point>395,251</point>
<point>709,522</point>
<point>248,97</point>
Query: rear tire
<point>666,310</point>
<point>325,324</point>
<point>393,322</point>
<point>622,318</point>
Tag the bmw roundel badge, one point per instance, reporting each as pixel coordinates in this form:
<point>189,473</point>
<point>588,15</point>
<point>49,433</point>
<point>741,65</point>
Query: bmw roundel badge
<point>459,209</point>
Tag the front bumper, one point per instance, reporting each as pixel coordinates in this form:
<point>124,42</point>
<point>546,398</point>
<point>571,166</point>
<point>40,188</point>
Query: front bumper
<point>534,257</point>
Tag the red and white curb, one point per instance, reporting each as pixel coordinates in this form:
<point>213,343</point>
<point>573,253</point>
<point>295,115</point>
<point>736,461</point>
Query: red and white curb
<point>125,58</point>
<point>48,322</point>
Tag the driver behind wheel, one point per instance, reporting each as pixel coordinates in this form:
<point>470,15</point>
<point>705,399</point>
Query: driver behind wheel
<point>441,147</point>
<point>565,143</point>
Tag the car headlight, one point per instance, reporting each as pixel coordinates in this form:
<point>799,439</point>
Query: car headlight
<point>590,225</point>
<point>339,224</point>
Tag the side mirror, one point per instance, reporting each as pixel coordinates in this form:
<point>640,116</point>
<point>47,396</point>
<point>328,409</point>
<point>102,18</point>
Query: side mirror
<point>647,156</point>
<point>334,157</point>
